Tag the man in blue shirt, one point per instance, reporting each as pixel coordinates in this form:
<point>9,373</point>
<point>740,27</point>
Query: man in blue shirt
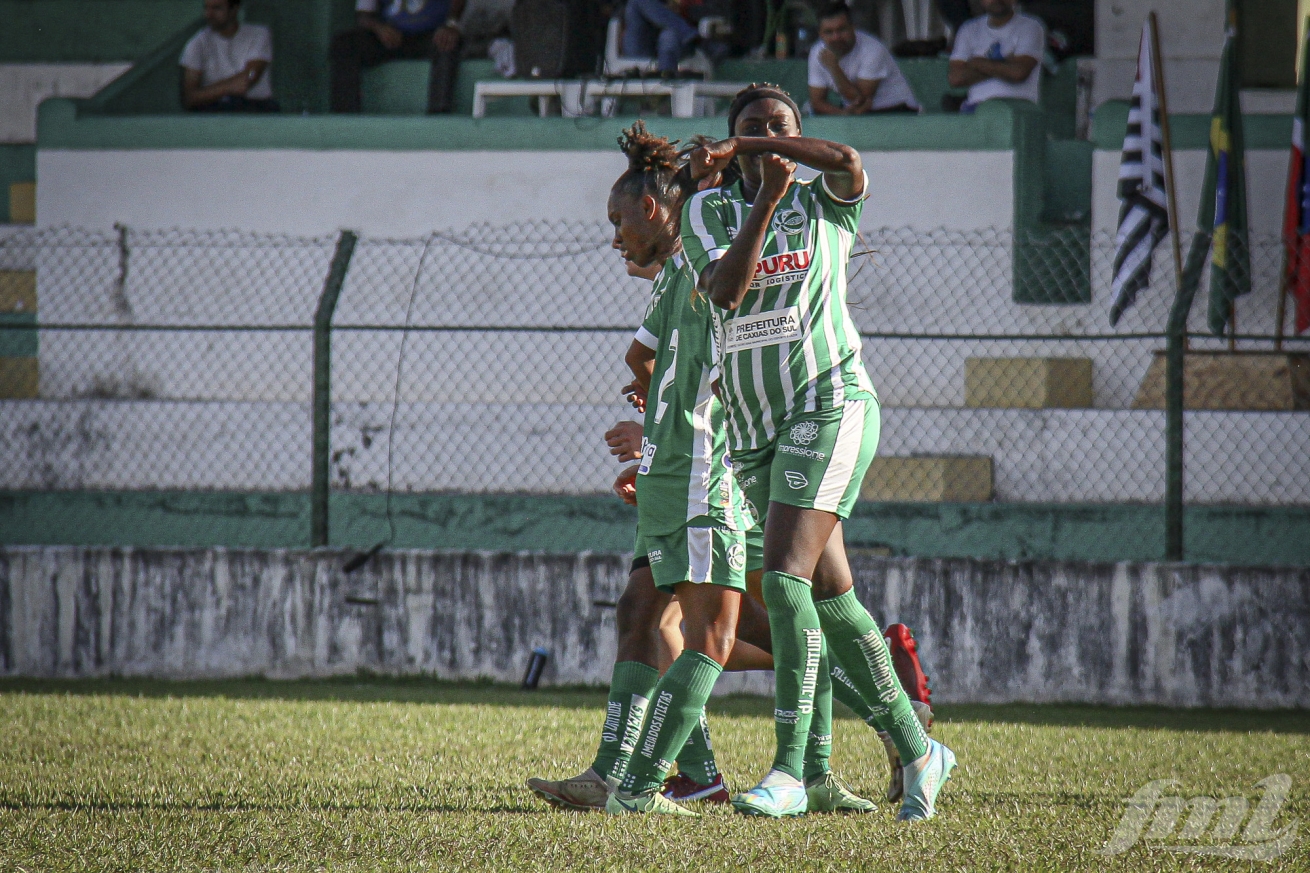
<point>387,30</point>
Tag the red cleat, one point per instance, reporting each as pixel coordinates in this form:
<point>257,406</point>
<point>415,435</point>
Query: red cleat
<point>905,661</point>
<point>682,789</point>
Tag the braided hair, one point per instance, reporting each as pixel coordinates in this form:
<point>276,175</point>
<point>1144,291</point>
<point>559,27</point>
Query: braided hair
<point>655,167</point>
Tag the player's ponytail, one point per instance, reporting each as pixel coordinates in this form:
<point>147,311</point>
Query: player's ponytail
<point>655,167</point>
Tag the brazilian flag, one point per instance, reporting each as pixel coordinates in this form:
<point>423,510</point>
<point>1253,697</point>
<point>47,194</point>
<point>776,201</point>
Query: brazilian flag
<point>1230,257</point>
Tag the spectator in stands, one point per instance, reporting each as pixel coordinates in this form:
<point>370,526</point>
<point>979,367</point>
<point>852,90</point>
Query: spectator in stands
<point>225,67</point>
<point>857,66</point>
<point>400,29</point>
<point>998,55</point>
<point>654,28</point>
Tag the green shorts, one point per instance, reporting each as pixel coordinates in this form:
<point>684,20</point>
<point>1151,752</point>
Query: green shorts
<point>697,553</point>
<point>817,461</point>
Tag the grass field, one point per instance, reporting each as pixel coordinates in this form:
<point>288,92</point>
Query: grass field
<point>400,774</point>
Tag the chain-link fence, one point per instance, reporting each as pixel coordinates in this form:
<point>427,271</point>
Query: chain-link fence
<point>489,361</point>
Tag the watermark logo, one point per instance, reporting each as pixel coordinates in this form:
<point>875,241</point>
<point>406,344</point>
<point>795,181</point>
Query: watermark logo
<point>1209,826</point>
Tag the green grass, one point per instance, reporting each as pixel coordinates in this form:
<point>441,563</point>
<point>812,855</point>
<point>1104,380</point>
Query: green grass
<point>405,774</point>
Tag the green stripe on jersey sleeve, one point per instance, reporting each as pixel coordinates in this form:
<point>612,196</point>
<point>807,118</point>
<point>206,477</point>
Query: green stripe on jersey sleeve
<point>843,213</point>
<point>705,234</point>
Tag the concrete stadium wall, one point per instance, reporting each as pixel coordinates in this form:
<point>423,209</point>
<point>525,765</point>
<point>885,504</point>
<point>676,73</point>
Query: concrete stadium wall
<point>409,193</point>
<point>1172,635</point>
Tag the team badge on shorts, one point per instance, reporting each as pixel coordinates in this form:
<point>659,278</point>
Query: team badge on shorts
<point>804,432</point>
<point>796,480</point>
<point>737,556</point>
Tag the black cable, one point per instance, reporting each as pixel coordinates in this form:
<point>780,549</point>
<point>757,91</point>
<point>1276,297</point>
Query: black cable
<point>363,558</point>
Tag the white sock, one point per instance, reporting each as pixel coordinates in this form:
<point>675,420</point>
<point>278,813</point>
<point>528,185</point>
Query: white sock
<point>778,779</point>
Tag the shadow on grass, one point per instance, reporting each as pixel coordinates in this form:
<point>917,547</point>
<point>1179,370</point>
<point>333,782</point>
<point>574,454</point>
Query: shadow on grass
<point>423,690</point>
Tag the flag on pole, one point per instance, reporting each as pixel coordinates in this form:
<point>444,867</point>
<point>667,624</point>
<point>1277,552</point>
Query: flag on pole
<point>1143,208</point>
<point>1296,216</point>
<point>1230,256</point>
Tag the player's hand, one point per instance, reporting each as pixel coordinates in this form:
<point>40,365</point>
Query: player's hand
<point>626,486</point>
<point>624,440</point>
<point>636,395</point>
<point>446,39</point>
<point>776,176</point>
<point>389,36</point>
<point>713,158</point>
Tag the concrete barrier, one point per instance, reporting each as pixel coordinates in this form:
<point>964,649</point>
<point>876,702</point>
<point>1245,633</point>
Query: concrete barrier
<point>990,631</point>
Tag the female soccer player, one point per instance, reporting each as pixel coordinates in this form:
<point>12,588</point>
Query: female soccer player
<point>771,253</point>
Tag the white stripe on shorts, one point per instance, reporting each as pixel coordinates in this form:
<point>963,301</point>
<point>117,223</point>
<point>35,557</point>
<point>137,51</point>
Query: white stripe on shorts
<point>845,454</point>
<point>700,554</point>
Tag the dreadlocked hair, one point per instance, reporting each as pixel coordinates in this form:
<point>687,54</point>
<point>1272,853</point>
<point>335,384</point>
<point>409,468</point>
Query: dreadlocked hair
<point>655,167</point>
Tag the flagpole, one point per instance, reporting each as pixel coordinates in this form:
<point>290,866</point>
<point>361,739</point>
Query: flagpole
<point>1157,72</point>
<point>1176,333</point>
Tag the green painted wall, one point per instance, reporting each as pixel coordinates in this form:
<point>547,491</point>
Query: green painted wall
<point>72,124</point>
<point>1240,535</point>
<point>88,31</point>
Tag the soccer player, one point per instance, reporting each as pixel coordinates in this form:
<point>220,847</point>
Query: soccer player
<point>802,416</point>
<point>690,515</point>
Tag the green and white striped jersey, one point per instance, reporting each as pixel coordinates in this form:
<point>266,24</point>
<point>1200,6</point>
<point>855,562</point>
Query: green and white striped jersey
<point>791,346</point>
<point>684,472</point>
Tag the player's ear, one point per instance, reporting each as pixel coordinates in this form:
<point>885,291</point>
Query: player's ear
<point>649,207</point>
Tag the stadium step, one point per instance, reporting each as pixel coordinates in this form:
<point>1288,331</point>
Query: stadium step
<point>1028,383</point>
<point>940,479</point>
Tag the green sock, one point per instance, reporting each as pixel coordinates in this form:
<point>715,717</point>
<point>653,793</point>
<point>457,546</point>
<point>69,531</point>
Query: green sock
<point>858,644</point>
<point>843,690</point>
<point>696,760</point>
<point>675,708</point>
<point>630,688</point>
<point>797,648</point>
<point>818,747</point>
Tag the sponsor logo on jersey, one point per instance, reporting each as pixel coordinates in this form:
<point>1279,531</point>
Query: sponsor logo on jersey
<point>788,221</point>
<point>727,461</point>
<point>737,556</point>
<point>765,329</point>
<point>781,269</point>
<point>804,453</point>
<point>655,556</point>
<point>796,480</point>
<point>647,456</point>
<point>804,432</point>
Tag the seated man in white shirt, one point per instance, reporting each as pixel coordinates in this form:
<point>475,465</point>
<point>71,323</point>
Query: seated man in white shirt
<point>998,55</point>
<point>225,67</point>
<point>857,66</point>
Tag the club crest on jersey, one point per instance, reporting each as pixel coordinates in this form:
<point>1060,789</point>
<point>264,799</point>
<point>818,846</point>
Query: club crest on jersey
<point>788,221</point>
<point>804,432</point>
<point>797,481</point>
<point>737,556</point>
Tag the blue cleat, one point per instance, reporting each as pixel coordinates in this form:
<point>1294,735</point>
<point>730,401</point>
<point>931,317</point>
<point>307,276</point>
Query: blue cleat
<point>923,780</point>
<point>774,798</point>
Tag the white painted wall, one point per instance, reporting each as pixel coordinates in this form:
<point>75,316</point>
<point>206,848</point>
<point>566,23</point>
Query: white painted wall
<point>1266,176</point>
<point>24,86</point>
<point>1191,38</point>
<point>1043,455</point>
<point>410,193</point>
